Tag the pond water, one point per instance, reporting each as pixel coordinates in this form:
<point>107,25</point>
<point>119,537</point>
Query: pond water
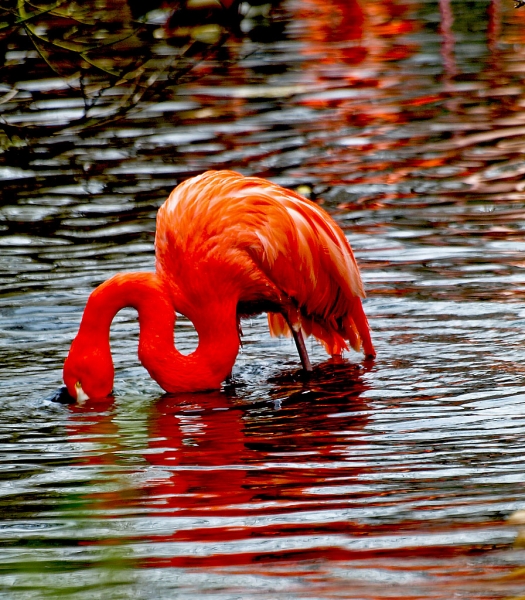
<point>391,478</point>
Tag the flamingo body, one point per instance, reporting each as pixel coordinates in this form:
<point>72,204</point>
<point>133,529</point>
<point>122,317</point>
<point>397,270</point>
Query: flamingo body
<point>226,246</point>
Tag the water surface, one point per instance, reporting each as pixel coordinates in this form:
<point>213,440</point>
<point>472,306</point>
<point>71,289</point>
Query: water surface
<point>391,478</point>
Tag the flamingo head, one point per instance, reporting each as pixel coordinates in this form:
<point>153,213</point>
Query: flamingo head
<point>88,371</point>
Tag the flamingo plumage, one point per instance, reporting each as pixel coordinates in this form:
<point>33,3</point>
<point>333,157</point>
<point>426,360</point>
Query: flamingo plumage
<point>227,246</point>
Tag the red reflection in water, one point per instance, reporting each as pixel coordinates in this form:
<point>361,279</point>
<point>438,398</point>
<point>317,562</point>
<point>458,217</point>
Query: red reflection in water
<point>361,125</point>
<point>355,43</point>
<point>210,435</point>
<point>326,24</point>
<point>348,32</point>
<point>225,462</point>
<point>216,458</point>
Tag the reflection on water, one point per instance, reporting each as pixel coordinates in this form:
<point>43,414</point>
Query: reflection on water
<point>388,479</point>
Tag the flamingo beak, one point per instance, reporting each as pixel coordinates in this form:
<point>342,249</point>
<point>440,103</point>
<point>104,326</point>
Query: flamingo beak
<point>81,394</point>
<point>62,396</point>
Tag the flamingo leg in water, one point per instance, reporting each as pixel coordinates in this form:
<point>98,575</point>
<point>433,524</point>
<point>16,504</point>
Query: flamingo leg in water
<point>301,347</point>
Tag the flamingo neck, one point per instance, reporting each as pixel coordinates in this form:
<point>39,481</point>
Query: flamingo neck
<point>204,369</point>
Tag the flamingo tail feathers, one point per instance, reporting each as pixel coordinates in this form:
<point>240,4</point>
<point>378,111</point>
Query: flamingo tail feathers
<point>362,327</point>
<point>278,325</point>
<point>354,329</point>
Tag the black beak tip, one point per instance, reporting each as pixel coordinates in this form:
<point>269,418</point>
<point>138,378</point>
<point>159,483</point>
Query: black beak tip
<point>61,396</point>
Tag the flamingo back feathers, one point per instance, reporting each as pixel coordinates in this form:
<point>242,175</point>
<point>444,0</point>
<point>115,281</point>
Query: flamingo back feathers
<point>262,242</point>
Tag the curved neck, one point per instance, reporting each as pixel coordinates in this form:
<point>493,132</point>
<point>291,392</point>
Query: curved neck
<point>204,369</point>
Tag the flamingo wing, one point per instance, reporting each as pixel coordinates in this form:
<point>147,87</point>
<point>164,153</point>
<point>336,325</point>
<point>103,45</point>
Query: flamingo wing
<point>277,247</point>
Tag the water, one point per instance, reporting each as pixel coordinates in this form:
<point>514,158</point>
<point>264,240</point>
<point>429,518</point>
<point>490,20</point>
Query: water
<point>392,478</point>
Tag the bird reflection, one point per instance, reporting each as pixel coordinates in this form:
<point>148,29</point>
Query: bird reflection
<point>199,440</point>
<point>195,455</point>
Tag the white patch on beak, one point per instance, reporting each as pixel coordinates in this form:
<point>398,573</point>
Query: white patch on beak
<point>81,394</point>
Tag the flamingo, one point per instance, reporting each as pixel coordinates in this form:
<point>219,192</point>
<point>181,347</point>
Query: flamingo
<point>227,246</point>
